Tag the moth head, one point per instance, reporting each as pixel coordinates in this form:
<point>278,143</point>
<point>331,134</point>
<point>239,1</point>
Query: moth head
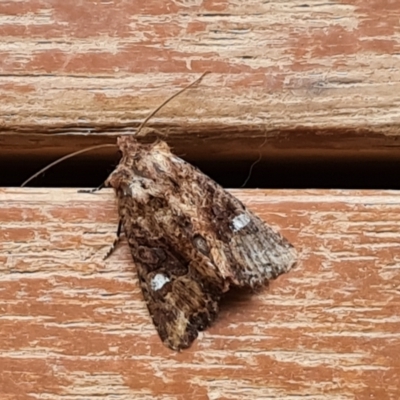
<point>122,175</point>
<point>127,145</point>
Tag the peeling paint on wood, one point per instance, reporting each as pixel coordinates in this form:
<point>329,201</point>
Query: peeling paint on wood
<point>72,324</point>
<point>325,71</point>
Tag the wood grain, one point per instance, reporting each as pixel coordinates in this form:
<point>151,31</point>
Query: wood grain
<point>311,77</point>
<point>75,326</point>
<point>288,79</point>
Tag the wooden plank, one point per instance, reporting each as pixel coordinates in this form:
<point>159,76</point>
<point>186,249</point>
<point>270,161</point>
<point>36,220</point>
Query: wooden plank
<point>75,326</point>
<point>308,77</point>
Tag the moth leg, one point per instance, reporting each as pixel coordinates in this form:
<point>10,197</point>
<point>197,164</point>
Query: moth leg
<point>102,186</point>
<point>116,240</point>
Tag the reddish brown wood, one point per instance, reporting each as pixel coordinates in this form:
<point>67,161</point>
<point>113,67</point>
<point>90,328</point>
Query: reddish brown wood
<point>312,77</point>
<point>72,324</point>
<point>288,79</point>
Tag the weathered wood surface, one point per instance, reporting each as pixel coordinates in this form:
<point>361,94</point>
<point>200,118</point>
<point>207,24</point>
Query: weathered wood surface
<point>73,326</point>
<point>308,76</point>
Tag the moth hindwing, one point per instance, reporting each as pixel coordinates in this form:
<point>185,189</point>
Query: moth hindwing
<point>190,239</point>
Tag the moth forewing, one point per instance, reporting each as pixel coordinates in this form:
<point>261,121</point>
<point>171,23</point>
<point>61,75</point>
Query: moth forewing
<point>190,239</point>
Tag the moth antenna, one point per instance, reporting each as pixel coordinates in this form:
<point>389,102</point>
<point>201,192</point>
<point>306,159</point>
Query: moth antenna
<point>143,124</point>
<point>100,146</point>
<point>59,160</point>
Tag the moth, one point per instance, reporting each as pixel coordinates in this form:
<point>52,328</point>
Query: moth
<point>190,239</point>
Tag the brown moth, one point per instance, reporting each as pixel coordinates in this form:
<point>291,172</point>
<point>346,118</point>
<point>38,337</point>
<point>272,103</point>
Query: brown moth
<point>190,239</point>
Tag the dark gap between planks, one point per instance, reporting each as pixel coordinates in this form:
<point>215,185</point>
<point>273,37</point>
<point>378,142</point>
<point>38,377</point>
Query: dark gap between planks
<point>295,159</point>
<point>277,173</point>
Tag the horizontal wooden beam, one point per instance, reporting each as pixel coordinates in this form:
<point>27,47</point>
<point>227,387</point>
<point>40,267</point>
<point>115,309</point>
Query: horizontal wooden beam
<point>74,325</point>
<point>290,79</point>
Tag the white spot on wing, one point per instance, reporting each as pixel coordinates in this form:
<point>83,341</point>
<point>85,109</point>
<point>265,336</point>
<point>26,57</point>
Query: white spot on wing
<point>240,221</point>
<point>158,281</point>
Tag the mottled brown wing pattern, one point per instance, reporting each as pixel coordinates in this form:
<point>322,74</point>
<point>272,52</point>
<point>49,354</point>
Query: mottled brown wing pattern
<point>181,288</point>
<point>190,239</point>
